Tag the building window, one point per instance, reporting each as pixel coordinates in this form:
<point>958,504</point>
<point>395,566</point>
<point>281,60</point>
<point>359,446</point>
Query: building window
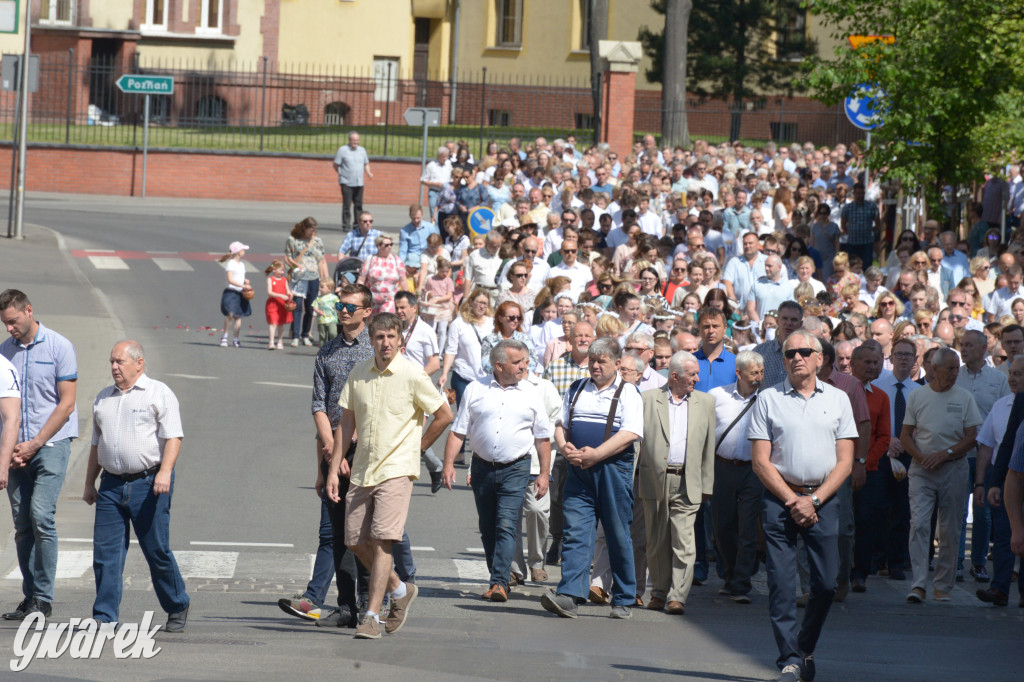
<point>510,23</point>
<point>791,31</point>
<point>156,15</point>
<point>584,24</point>
<point>499,117</point>
<point>56,11</point>
<point>584,121</point>
<point>385,79</point>
<point>211,16</point>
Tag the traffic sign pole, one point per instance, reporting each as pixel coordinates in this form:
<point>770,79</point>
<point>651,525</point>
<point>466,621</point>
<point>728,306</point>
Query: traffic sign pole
<point>145,143</point>
<point>423,161</point>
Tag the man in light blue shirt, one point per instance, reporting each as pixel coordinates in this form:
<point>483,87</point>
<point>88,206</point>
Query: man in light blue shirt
<point>351,162</point>
<point>768,292</point>
<point>953,258</point>
<point>743,270</point>
<point>361,243</point>
<point>48,373</point>
<point>413,237</point>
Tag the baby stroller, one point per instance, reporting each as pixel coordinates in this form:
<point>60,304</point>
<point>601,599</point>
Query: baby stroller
<point>347,271</point>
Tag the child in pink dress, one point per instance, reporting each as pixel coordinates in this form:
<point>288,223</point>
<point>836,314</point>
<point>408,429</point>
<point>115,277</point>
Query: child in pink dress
<point>438,299</point>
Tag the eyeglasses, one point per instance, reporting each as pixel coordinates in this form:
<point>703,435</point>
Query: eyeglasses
<point>349,308</point>
<point>678,269</point>
<point>383,244</point>
<point>887,304</point>
<point>772,252</point>
<point>956,318</point>
<point>570,250</point>
<point>604,286</point>
<point>984,267</point>
<point>366,221</point>
<point>904,356</point>
<point>696,246</point>
<point>529,250</point>
<point>802,352</point>
<point>514,318</point>
<point>519,274</point>
<point>638,349</point>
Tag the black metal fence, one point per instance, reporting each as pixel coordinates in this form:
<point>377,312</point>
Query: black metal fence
<point>311,109</point>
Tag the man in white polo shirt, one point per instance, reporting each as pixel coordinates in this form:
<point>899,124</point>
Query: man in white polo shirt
<point>503,416</point>
<point>10,416</point>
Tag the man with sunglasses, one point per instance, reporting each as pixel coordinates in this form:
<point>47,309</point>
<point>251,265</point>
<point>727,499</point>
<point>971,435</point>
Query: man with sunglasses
<point>578,273</point>
<point>361,243</point>
<point>553,238</point>
<point>801,433</point>
<point>538,269</point>
<point>940,277</point>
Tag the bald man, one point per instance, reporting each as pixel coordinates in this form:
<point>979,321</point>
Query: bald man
<point>768,291</point>
<point>528,251</point>
<point>881,331</point>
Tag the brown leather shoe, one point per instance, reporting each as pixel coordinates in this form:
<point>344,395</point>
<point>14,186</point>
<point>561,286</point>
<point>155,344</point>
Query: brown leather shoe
<point>498,593</point>
<point>487,594</point>
<point>656,604</point>
<point>599,596</point>
<point>516,579</point>
<point>538,575</point>
<point>639,601</point>
<point>675,608</point>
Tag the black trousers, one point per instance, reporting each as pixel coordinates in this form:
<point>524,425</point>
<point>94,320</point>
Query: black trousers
<point>556,519</point>
<point>351,197</point>
<point>735,508</point>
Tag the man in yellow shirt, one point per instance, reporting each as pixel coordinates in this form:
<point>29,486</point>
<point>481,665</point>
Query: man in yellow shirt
<point>384,399</point>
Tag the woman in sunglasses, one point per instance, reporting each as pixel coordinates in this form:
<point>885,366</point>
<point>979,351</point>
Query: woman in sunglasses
<point>519,276</point>
<point>508,324</point>
<point>887,307</point>
<point>384,275</point>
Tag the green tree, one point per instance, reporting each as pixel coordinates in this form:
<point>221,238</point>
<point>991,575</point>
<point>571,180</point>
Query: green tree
<point>737,49</point>
<point>952,83</point>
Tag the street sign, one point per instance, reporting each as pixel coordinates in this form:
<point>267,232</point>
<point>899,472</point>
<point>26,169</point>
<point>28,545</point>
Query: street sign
<point>480,220</point>
<point>421,116</point>
<point>137,84</point>
<point>10,72</point>
<point>862,106</point>
<point>860,41</point>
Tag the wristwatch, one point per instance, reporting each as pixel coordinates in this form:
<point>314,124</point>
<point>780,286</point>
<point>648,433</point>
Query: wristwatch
<point>861,460</point>
<point>815,501</point>
<point>949,451</point>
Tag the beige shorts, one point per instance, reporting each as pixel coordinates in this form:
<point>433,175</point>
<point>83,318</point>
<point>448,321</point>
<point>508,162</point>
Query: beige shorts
<point>377,512</point>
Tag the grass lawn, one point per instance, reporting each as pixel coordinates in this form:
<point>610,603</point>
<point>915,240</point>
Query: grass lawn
<point>401,141</point>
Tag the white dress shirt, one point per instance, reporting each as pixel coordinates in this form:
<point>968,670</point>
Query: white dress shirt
<point>678,417</point>
<point>552,403</point>
<point>992,431</point>
<point>502,422</point>
<point>578,274</point>
<point>131,427</point>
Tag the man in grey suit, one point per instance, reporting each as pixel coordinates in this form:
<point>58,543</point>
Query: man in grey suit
<point>676,474</point>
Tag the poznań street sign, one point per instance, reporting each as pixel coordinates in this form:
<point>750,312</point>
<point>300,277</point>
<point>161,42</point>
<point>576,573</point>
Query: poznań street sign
<point>135,84</point>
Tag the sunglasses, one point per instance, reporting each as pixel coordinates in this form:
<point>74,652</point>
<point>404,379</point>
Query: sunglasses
<point>569,250</point>
<point>349,308</point>
<point>802,352</point>
<point>604,286</point>
<point>519,274</point>
<point>887,304</point>
<point>366,221</point>
<point>514,318</point>
<point>386,244</point>
<point>529,250</point>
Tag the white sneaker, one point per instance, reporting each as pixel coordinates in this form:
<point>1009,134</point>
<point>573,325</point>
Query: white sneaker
<point>295,342</point>
<point>224,341</point>
<point>306,341</point>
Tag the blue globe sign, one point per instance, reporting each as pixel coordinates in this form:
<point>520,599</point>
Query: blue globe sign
<point>863,106</point>
<point>480,219</point>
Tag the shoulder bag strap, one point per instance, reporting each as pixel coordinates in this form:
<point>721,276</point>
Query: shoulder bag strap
<point>750,403</point>
<point>581,384</point>
<point>611,411</point>
<point>361,245</point>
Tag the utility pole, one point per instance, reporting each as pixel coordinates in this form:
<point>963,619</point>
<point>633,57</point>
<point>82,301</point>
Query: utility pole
<point>19,199</point>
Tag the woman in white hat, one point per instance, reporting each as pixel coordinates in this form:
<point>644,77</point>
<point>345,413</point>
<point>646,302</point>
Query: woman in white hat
<point>233,304</point>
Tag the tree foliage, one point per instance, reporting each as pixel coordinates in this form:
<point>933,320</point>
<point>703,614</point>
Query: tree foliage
<point>952,83</point>
<point>736,48</point>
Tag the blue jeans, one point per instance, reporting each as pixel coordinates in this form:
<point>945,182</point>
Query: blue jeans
<point>1003,557</point>
<point>432,196</point>
<point>302,317</point>
<point>459,384</point>
<point>33,491</point>
<point>981,527</point>
<point>499,492</point>
<point>118,505</point>
<point>602,493</point>
<point>323,564</point>
<point>822,542</point>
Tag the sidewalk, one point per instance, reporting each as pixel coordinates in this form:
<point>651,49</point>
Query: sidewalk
<point>64,301</point>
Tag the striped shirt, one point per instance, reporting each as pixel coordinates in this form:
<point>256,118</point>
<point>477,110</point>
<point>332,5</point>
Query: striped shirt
<point>860,222</point>
<point>130,427</point>
<point>590,414</point>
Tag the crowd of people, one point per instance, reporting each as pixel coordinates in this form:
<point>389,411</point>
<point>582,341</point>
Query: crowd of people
<point>687,358</point>
<point>650,365</point>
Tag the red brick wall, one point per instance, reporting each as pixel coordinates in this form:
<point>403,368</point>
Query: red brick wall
<point>617,120</point>
<point>207,176</point>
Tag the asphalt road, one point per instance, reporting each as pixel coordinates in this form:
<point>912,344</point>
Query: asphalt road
<point>245,517</point>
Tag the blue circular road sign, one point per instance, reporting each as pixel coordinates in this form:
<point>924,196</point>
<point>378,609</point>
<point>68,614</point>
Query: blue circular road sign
<point>480,219</point>
<point>862,106</point>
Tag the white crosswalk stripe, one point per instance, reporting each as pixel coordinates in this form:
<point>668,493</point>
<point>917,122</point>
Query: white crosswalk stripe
<point>173,264</point>
<point>108,263</point>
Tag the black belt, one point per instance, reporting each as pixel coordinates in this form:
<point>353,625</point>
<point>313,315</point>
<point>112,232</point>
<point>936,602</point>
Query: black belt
<point>500,465</point>
<point>677,471</point>
<point>802,489</point>
<point>734,462</point>
<point>128,478</point>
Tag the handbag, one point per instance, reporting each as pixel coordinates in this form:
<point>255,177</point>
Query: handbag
<point>248,293</point>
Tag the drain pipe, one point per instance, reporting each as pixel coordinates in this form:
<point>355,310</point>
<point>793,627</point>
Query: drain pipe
<point>455,64</point>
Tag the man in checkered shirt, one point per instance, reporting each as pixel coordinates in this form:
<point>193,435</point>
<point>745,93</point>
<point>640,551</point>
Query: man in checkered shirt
<point>862,225</point>
<point>136,440</point>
